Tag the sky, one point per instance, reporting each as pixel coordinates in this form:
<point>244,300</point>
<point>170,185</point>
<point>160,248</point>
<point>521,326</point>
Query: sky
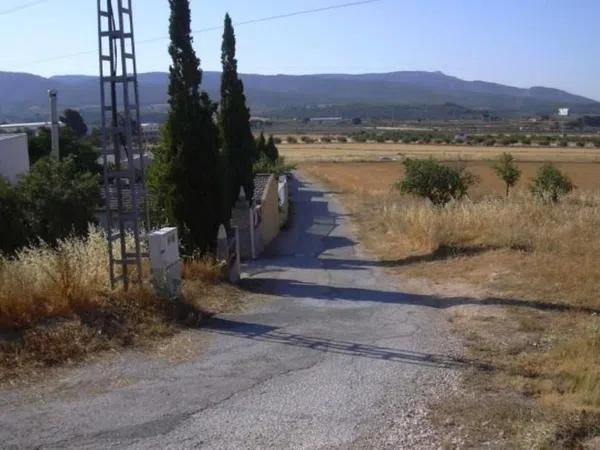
<point>521,43</point>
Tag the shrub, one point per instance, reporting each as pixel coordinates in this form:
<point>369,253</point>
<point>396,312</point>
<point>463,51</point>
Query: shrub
<point>307,139</point>
<point>13,227</point>
<point>44,281</point>
<point>550,183</point>
<point>440,184</point>
<point>58,199</point>
<point>277,167</point>
<point>291,140</point>
<point>507,171</point>
<point>326,139</point>
<point>342,139</point>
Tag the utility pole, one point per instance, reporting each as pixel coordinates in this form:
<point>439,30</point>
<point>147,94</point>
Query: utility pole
<point>55,130</point>
<point>122,152</point>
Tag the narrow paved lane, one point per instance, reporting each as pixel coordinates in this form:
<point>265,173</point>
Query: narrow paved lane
<point>335,357</point>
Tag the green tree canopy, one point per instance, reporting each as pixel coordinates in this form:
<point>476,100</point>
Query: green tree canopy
<point>84,155</point>
<point>507,171</point>
<point>271,150</point>
<point>439,183</point>
<point>550,183</point>
<point>73,120</point>
<point>13,227</point>
<point>239,148</point>
<point>58,199</point>
<point>185,180</point>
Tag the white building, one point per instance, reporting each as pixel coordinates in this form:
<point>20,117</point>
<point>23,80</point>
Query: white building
<point>150,132</point>
<point>14,156</point>
<point>29,126</point>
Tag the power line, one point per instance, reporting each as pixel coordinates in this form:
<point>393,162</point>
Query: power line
<point>206,30</point>
<point>20,8</point>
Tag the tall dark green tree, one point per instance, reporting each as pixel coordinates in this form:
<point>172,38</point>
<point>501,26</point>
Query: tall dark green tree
<point>271,150</point>
<point>239,149</point>
<point>185,181</point>
<point>261,145</point>
<point>73,120</point>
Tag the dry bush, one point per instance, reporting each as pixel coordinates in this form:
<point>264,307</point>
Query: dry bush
<point>203,268</point>
<point>56,304</point>
<point>42,282</point>
<point>518,222</point>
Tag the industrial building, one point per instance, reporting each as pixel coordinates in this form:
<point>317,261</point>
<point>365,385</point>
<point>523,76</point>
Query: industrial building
<point>14,156</point>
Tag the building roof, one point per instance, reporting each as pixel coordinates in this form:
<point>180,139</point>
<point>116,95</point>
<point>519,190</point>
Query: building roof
<point>28,125</point>
<point>261,182</point>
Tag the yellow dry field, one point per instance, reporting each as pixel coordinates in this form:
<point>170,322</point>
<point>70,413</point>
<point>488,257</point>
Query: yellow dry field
<point>298,153</point>
<point>379,177</point>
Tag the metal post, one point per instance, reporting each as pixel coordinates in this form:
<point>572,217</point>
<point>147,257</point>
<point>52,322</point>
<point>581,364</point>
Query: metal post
<point>252,237</point>
<point>124,189</point>
<point>55,152</point>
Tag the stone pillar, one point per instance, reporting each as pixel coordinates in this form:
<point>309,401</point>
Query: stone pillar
<point>241,218</point>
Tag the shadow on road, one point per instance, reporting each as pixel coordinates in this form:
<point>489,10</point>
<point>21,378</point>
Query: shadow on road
<point>266,333</point>
<point>298,289</point>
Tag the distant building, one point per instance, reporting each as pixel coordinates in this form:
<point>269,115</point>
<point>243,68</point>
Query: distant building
<point>151,132</point>
<point>24,127</point>
<point>14,156</point>
<point>260,122</point>
<point>322,120</point>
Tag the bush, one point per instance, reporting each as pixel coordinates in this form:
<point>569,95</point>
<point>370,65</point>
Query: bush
<point>277,167</point>
<point>342,139</point>
<point>13,227</point>
<point>58,200</point>
<point>307,139</point>
<point>507,171</point>
<point>326,139</point>
<point>84,155</point>
<point>550,183</point>
<point>291,140</point>
<point>439,183</point>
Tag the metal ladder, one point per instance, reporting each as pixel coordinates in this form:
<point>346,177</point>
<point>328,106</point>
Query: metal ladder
<point>125,198</point>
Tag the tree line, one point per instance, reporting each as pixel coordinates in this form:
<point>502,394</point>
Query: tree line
<point>207,152</point>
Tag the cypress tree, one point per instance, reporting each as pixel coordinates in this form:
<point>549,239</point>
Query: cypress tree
<point>185,180</point>
<point>261,145</point>
<point>239,148</point>
<point>271,150</point>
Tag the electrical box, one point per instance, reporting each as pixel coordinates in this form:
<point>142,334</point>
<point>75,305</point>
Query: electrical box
<point>165,262</point>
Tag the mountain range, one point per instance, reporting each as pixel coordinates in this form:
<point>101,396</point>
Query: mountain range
<point>23,96</point>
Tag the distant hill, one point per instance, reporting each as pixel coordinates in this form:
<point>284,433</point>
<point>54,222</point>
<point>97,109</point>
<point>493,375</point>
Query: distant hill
<point>425,94</point>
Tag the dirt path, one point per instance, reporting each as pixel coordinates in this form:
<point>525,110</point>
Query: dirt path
<point>334,357</point>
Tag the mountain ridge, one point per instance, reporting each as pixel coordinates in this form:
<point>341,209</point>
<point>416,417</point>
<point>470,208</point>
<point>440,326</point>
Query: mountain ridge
<point>24,95</point>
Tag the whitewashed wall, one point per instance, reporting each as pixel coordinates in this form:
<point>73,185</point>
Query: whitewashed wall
<point>14,156</point>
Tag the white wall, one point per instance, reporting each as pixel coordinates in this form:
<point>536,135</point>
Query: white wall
<point>14,156</point>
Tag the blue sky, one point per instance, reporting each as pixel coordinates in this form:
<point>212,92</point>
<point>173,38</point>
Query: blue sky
<point>518,42</point>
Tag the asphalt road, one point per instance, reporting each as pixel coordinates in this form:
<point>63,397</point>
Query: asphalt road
<point>334,355</point>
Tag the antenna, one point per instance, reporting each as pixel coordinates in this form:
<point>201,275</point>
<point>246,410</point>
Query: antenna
<point>125,199</point>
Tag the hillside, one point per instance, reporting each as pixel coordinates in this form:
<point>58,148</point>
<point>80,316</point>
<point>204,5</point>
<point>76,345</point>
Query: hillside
<point>24,95</point>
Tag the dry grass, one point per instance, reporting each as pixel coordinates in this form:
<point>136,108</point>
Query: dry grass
<point>56,305</point>
<point>346,152</point>
<point>530,274</point>
<point>382,175</point>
